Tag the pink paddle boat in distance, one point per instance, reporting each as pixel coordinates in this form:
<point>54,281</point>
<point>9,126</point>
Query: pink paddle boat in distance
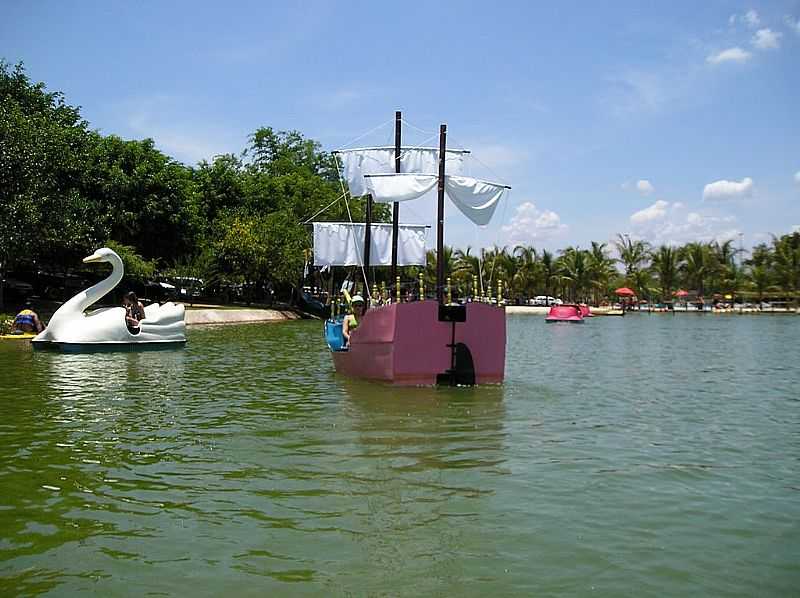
<point>565,313</point>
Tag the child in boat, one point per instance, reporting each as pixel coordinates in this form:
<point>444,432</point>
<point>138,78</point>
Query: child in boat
<point>134,311</point>
<point>27,321</point>
<point>350,322</point>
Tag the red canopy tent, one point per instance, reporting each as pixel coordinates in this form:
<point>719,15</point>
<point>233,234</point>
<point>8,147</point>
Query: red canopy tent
<point>624,292</point>
<point>681,293</point>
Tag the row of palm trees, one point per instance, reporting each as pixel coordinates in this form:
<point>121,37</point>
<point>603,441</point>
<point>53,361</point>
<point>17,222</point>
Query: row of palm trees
<point>654,273</point>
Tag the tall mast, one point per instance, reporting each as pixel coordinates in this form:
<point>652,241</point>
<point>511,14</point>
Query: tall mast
<point>396,205</point>
<point>367,243</point>
<point>440,217</point>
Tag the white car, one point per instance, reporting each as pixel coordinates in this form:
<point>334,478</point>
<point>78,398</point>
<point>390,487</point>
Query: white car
<point>545,300</point>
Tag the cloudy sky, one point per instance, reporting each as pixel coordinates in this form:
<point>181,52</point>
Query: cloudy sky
<point>668,121</point>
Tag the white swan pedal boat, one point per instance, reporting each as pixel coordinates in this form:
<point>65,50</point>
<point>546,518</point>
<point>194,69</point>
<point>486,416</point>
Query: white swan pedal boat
<point>71,329</point>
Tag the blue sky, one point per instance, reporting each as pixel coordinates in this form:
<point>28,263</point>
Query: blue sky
<point>668,121</point>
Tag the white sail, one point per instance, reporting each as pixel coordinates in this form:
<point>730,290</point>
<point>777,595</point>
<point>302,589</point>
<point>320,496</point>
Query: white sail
<point>356,163</point>
<point>342,244</point>
<point>475,198</point>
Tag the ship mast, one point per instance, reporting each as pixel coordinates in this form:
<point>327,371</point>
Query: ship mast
<point>440,217</point>
<point>395,205</point>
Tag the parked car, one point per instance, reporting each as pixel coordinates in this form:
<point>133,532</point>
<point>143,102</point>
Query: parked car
<point>545,300</point>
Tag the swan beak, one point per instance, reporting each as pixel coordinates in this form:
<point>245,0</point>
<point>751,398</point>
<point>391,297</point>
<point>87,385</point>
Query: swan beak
<point>95,257</point>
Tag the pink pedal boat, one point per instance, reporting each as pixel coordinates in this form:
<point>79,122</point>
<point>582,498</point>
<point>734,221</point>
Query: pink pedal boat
<point>565,313</point>
<point>585,311</point>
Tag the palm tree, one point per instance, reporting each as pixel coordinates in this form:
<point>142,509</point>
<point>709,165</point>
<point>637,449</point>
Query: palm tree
<point>466,266</point>
<point>633,254</point>
<point>760,280</point>
<point>786,252</point>
<point>665,265</point>
<point>642,284</point>
<point>573,270</point>
<point>548,267</point>
<point>527,267</point>
<point>696,265</point>
<point>601,268</point>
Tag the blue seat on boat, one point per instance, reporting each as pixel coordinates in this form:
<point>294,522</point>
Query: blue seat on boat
<point>334,336</point>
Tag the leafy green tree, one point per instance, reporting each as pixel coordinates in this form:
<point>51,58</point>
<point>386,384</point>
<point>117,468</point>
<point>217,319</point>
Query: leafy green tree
<point>44,144</point>
<point>695,265</point>
<point>147,199</point>
<point>601,269</point>
<point>633,254</point>
<point>573,270</point>
<point>665,264</point>
<point>549,271</point>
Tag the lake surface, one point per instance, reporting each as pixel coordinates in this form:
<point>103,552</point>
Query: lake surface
<point>651,455</point>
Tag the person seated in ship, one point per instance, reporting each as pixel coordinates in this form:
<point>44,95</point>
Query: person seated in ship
<point>27,321</point>
<point>134,311</point>
<point>350,322</point>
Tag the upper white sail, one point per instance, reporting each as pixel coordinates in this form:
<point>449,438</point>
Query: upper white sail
<point>475,198</point>
<point>342,244</point>
<point>356,163</point>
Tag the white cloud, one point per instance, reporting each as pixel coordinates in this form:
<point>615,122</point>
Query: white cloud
<point>655,212</point>
<point>766,39</point>
<point>669,224</point>
<point>796,228</point>
<point>644,187</point>
<point>751,18</point>
<point>793,24</point>
<point>797,177</point>
<point>735,54</point>
<point>529,224</point>
<point>724,190</point>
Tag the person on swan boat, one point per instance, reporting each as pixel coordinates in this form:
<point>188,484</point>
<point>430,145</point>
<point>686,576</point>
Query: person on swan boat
<point>350,322</point>
<point>27,321</point>
<point>134,311</point>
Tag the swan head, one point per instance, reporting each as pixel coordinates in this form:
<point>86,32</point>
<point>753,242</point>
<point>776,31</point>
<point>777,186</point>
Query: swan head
<point>104,254</point>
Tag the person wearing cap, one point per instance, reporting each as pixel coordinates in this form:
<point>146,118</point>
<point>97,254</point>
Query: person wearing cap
<point>350,322</point>
<point>27,321</point>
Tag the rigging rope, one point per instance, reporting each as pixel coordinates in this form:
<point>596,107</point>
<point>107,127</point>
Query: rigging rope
<point>350,217</point>
<point>360,137</point>
<point>324,209</point>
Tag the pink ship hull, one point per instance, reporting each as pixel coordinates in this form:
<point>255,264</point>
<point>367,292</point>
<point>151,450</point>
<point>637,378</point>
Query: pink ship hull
<point>565,313</point>
<point>407,345</point>
<point>586,312</point>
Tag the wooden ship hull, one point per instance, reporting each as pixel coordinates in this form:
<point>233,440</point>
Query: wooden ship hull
<point>407,344</point>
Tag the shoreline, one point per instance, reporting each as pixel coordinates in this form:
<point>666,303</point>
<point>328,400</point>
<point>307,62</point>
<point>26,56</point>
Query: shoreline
<point>209,316</point>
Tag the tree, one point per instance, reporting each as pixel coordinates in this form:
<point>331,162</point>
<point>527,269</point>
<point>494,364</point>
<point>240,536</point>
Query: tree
<point>786,261</point>
<point>572,267</point>
<point>695,265</point>
<point>601,268</point>
<point>665,264</point>
<point>633,254</point>
<point>44,144</point>
<point>528,268</point>
<point>549,270</point>
<point>145,199</point>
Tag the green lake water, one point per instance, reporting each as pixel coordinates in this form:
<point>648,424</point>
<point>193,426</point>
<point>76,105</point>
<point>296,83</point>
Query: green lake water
<point>651,455</point>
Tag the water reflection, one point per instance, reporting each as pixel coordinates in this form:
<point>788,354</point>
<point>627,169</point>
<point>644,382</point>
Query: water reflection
<point>424,460</point>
